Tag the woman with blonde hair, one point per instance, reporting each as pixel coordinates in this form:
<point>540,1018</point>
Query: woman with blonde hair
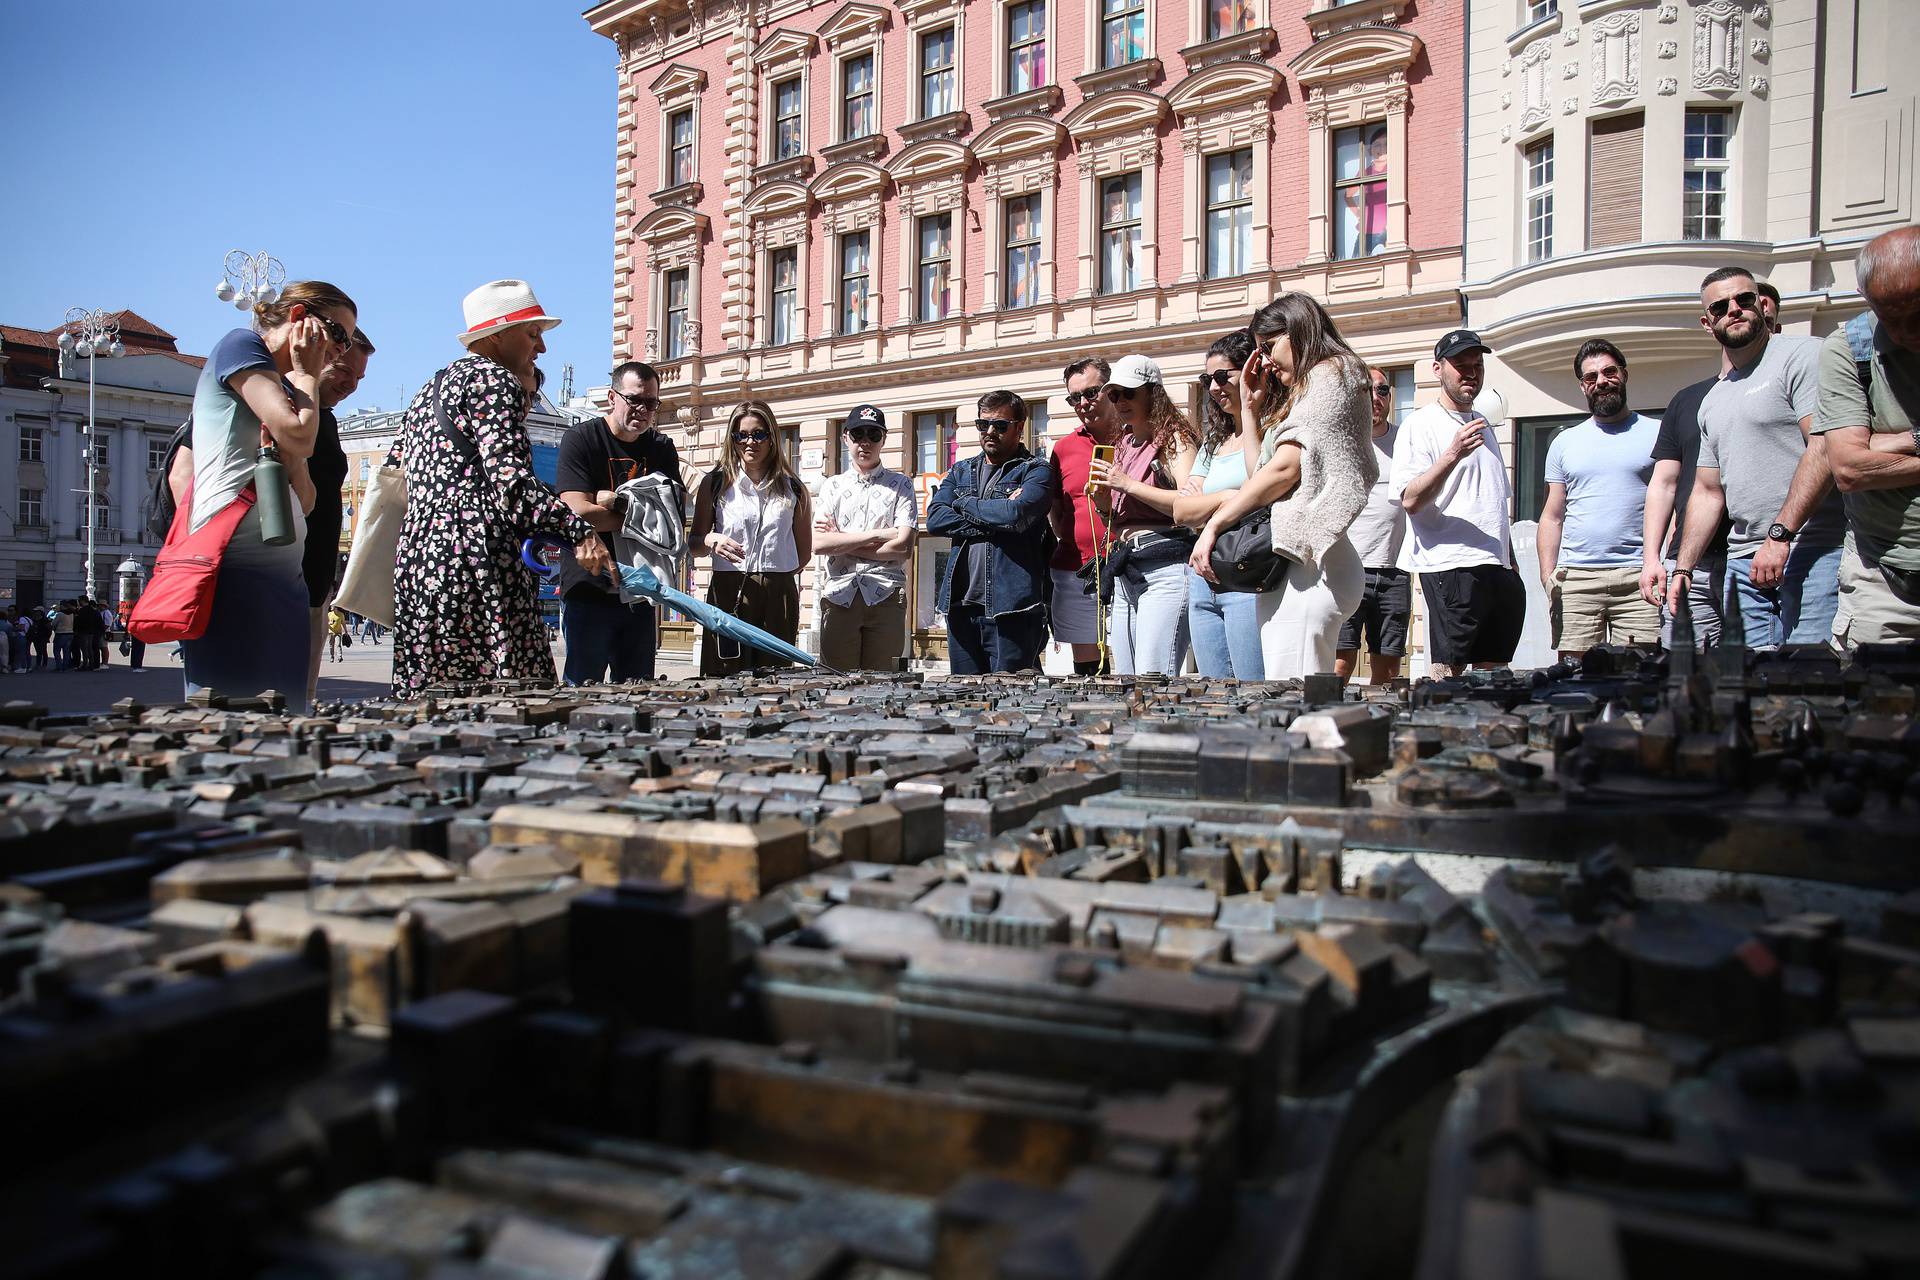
<point>1147,626</point>
<point>755,519</point>
<point>1314,465</point>
<point>261,388</point>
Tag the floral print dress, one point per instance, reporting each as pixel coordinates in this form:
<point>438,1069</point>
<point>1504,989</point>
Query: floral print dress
<point>464,604</point>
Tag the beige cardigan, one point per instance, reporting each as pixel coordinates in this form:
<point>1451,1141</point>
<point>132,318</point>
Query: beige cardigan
<point>1332,420</point>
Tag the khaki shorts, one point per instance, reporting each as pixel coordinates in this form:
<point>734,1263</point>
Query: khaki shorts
<point>1872,610</point>
<point>1600,606</point>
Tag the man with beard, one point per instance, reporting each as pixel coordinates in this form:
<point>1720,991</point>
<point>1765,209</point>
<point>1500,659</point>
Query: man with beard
<point>1076,522</point>
<point>1452,483</point>
<point>1760,465</point>
<point>1590,531</point>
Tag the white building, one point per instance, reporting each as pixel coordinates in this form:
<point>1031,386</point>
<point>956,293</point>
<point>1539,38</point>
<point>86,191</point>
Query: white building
<point>139,399</point>
<point>1618,150</point>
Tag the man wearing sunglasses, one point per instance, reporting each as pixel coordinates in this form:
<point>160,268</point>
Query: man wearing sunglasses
<point>1378,532</point>
<point>1761,466</point>
<point>1075,521</point>
<point>596,458</point>
<point>864,525</point>
<point>994,506</point>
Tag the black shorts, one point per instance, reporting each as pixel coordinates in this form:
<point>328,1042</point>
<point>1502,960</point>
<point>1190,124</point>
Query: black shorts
<point>1473,614</point>
<point>1382,616</point>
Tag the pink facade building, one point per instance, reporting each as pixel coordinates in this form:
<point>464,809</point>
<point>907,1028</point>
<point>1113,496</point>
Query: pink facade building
<point>908,204</point>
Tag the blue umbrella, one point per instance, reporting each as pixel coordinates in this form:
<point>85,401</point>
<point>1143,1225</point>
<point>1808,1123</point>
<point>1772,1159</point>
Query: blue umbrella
<point>643,581</point>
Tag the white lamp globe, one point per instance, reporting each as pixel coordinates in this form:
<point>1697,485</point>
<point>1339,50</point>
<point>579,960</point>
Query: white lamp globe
<point>65,341</point>
<point>225,291</point>
<point>83,349</point>
<point>118,348</point>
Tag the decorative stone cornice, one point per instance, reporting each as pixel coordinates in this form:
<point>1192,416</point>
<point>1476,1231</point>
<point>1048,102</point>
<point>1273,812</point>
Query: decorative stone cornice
<point>1019,136</point>
<point>784,47</point>
<point>1118,112</point>
<point>924,161</point>
<point>1128,75</point>
<point>871,147</point>
<point>792,169</point>
<point>1335,18</point>
<point>1034,102</point>
<point>678,81</point>
<point>686,195</point>
<point>852,22</point>
<point>1364,53</point>
<point>950,124</point>
<point>1256,45</point>
<point>1234,84</point>
<point>847,181</point>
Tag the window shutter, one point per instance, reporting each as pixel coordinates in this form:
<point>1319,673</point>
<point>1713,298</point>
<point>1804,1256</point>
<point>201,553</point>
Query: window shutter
<point>1614,170</point>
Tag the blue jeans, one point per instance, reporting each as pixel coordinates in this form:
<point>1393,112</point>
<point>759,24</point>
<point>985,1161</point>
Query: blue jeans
<point>1147,628</point>
<point>1225,630</point>
<point>601,633</point>
<point>977,644</point>
<point>1800,610</point>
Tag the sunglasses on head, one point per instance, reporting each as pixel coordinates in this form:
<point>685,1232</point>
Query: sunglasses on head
<point>755,435</point>
<point>1748,301</point>
<point>1218,378</point>
<point>644,403</point>
<point>866,435</point>
<point>994,426</point>
<point>1077,398</point>
<point>336,333</point>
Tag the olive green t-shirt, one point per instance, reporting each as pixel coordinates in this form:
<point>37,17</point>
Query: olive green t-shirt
<point>1885,523</point>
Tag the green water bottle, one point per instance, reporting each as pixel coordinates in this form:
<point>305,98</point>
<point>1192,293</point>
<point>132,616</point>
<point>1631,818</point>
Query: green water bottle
<point>272,498</point>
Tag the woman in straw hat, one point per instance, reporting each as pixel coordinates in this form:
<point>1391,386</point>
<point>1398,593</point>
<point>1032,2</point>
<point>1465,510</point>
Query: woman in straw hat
<point>464,610</point>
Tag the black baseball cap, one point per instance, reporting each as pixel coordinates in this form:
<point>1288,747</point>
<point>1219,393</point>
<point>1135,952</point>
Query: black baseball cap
<point>865,416</point>
<point>1459,342</point>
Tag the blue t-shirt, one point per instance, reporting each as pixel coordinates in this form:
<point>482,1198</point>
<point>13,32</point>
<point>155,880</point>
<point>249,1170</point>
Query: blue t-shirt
<point>226,433</point>
<point>1606,470</point>
<point>1225,472</point>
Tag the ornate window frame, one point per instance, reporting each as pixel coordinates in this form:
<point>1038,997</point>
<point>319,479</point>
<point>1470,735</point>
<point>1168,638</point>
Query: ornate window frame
<point>849,196</point>
<point>1002,46</point>
<point>782,56</point>
<point>1221,109</point>
<point>1020,156</point>
<point>854,30</point>
<point>676,89</point>
<point>1197,14</point>
<point>777,218</point>
<point>930,178</point>
<point>673,235</point>
<point>1356,77</point>
<point>1116,133</point>
<point>922,18</point>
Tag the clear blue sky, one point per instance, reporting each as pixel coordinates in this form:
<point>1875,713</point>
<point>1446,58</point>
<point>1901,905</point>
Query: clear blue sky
<point>406,150</point>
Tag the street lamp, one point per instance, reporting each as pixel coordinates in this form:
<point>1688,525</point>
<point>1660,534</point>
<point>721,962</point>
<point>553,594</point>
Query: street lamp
<point>250,278</point>
<point>89,334</point>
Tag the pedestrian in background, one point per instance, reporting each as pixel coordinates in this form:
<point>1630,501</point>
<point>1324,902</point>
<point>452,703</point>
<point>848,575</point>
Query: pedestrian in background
<point>262,384</point>
<point>465,608</point>
<point>1147,621</point>
<point>755,519</point>
<point>63,636</point>
<point>1224,626</point>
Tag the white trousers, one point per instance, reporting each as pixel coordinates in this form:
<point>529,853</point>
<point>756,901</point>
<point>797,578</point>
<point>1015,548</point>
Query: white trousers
<point>1147,629</point>
<point>1300,622</point>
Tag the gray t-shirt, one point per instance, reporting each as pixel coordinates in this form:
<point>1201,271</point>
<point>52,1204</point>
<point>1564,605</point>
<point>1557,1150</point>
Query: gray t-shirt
<point>1750,430</point>
<point>1381,526</point>
<point>1885,522</point>
<point>1605,469</point>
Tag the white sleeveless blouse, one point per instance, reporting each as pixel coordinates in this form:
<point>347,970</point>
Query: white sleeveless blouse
<point>760,521</point>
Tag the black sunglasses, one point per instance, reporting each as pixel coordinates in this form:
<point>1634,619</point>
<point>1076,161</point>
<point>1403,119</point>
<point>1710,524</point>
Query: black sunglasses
<point>1077,398</point>
<point>1748,301</point>
<point>1117,392</point>
<point>756,436</point>
<point>1382,389</point>
<point>336,333</point>
<point>994,426</point>
<point>1611,373</point>
<point>645,404</point>
<point>1218,378</point>
<point>866,435</point>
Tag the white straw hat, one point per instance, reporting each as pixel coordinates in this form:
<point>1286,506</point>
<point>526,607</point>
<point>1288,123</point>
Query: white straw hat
<point>499,303</point>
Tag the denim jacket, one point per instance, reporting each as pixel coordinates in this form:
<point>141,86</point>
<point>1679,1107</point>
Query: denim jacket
<point>1010,517</point>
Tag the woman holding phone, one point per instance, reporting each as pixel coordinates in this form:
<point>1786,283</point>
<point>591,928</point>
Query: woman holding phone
<point>1314,464</point>
<point>755,518</point>
<point>1224,624</point>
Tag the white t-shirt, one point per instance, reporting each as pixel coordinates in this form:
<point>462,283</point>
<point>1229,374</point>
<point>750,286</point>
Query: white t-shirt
<point>1467,522</point>
<point>1381,527</point>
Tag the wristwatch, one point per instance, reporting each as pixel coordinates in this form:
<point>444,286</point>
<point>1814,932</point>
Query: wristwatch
<point>1777,532</point>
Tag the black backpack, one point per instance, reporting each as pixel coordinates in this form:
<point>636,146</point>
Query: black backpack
<point>160,509</point>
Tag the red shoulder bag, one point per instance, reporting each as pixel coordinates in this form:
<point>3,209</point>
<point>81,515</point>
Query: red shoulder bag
<point>178,603</point>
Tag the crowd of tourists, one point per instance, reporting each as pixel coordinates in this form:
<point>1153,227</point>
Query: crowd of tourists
<point>73,635</point>
<point>1275,537</point>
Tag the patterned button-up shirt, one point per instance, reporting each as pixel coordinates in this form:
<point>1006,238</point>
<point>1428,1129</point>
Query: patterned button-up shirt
<point>862,503</point>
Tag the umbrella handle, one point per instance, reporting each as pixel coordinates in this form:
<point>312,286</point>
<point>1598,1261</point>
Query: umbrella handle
<point>531,548</point>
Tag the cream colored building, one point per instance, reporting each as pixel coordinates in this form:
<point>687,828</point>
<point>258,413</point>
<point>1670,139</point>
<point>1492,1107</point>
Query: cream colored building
<point>912,203</point>
<point>1618,150</point>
